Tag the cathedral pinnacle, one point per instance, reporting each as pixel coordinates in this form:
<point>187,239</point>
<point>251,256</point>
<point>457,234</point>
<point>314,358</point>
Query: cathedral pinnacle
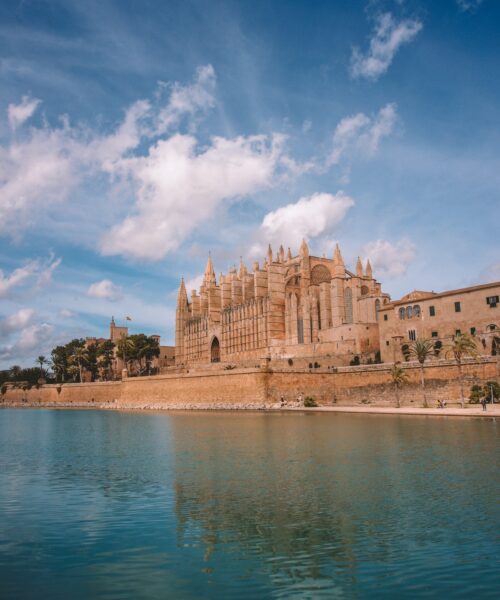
<point>359,268</point>
<point>368,270</point>
<point>269,255</point>
<point>209,277</point>
<point>337,256</point>
<point>181,294</point>
<point>304,248</point>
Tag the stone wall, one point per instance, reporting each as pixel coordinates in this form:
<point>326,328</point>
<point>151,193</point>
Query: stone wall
<point>259,388</point>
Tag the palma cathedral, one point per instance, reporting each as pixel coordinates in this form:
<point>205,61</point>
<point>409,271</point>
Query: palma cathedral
<point>290,307</point>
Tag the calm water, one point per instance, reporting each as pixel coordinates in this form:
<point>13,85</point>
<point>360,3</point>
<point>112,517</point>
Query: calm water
<point>124,505</point>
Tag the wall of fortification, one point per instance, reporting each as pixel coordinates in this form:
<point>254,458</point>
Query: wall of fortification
<point>255,388</point>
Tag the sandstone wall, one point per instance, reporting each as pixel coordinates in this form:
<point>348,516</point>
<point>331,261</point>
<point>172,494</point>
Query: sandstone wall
<point>255,388</point>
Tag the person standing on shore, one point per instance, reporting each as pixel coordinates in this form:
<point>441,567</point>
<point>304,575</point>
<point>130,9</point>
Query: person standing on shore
<point>484,402</point>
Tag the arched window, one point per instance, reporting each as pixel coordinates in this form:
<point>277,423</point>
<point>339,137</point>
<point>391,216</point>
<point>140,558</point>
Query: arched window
<point>409,312</point>
<point>377,308</point>
<point>402,313</point>
<point>492,327</point>
<point>215,351</point>
<point>348,305</point>
<point>416,310</point>
<point>364,290</point>
<point>319,274</point>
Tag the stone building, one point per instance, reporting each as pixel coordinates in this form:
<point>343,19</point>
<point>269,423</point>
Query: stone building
<point>440,316</point>
<point>291,306</point>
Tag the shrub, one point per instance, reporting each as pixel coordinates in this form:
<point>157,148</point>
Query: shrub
<point>492,386</point>
<point>476,393</point>
<point>229,367</point>
<point>378,358</point>
<point>3,389</point>
<point>355,361</point>
<point>309,402</point>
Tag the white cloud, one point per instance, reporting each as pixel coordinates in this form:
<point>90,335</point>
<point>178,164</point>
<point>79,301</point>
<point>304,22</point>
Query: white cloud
<point>46,164</point>
<point>389,35</point>
<point>41,269</point>
<point>180,186</point>
<point>105,289</point>
<point>16,321</point>
<point>66,314</point>
<point>17,278</point>
<point>390,260</point>
<point>19,113</point>
<point>308,218</point>
<point>360,134</point>
<point>33,339</point>
<point>469,5</point>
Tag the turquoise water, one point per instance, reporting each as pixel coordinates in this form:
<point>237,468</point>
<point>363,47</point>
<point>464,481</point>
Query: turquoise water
<point>249,505</point>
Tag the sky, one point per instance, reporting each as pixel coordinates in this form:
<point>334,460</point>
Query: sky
<point>135,137</point>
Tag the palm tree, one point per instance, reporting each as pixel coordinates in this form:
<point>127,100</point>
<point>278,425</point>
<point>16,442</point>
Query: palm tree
<point>421,350</point>
<point>79,356</point>
<point>41,360</point>
<point>462,345</point>
<point>399,377</point>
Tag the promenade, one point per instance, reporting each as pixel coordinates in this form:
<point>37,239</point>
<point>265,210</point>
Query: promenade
<point>469,411</point>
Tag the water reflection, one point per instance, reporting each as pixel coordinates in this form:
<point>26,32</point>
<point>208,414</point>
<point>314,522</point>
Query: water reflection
<point>220,505</point>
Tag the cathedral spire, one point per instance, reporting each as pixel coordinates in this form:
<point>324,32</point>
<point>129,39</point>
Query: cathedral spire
<point>209,277</point>
<point>289,254</point>
<point>242,271</point>
<point>304,248</point>
<point>368,270</point>
<point>269,255</point>
<point>181,294</point>
<point>359,267</point>
<point>281,254</point>
<point>337,257</point>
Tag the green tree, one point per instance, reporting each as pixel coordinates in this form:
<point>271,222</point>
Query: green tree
<point>126,350</point>
<point>59,363</point>
<point>462,345</point>
<point>421,350</point>
<point>41,360</point>
<point>399,378</point>
<point>79,358</point>
<point>106,354</point>
<point>14,372</point>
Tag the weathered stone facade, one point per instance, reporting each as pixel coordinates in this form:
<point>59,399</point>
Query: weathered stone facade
<point>439,317</point>
<point>292,306</point>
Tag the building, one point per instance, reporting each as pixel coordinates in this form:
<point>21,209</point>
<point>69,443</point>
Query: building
<point>116,333</point>
<point>291,306</point>
<point>440,316</point>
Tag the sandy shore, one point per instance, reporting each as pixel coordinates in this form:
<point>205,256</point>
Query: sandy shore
<point>407,410</point>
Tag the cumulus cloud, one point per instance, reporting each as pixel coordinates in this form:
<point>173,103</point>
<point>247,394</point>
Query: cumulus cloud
<point>390,260</point>
<point>19,113</point>
<point>178,186</point>
<point>47,163</point>
<point>17,321</point>
<point>105,289</point>
<point>360,134</point>
<point>32,339</point>
<point>388,36</point>
<point>310,217</point>
<point>194,283</point>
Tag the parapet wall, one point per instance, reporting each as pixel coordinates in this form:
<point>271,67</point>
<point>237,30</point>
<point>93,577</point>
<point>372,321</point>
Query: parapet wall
<point>260,388</point>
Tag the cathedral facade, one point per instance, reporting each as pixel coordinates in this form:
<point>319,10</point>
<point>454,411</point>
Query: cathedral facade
<point>291,306</point>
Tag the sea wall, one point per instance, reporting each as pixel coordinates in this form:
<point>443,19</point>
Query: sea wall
<point>261,388</point>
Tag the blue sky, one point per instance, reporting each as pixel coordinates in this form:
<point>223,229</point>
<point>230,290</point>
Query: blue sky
<point>137,136</point>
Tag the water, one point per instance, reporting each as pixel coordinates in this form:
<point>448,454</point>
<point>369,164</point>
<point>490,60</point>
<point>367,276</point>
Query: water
<point>249,505</point>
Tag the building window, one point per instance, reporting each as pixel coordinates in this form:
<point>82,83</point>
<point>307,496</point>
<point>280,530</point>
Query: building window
<point>458,308</point>
<point>385,317</point>
<point>300,331</point>
<point>402,313</point>
<point>409,312</point>
<point>492,301</point>
<point>434,334</point>
<point>432,311</point>
<point>387,342</point>
<point>458,332</point>
<point>377,308</point>
<point>416,311</point>
<point>473,331</point>
<point>412,335</point>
